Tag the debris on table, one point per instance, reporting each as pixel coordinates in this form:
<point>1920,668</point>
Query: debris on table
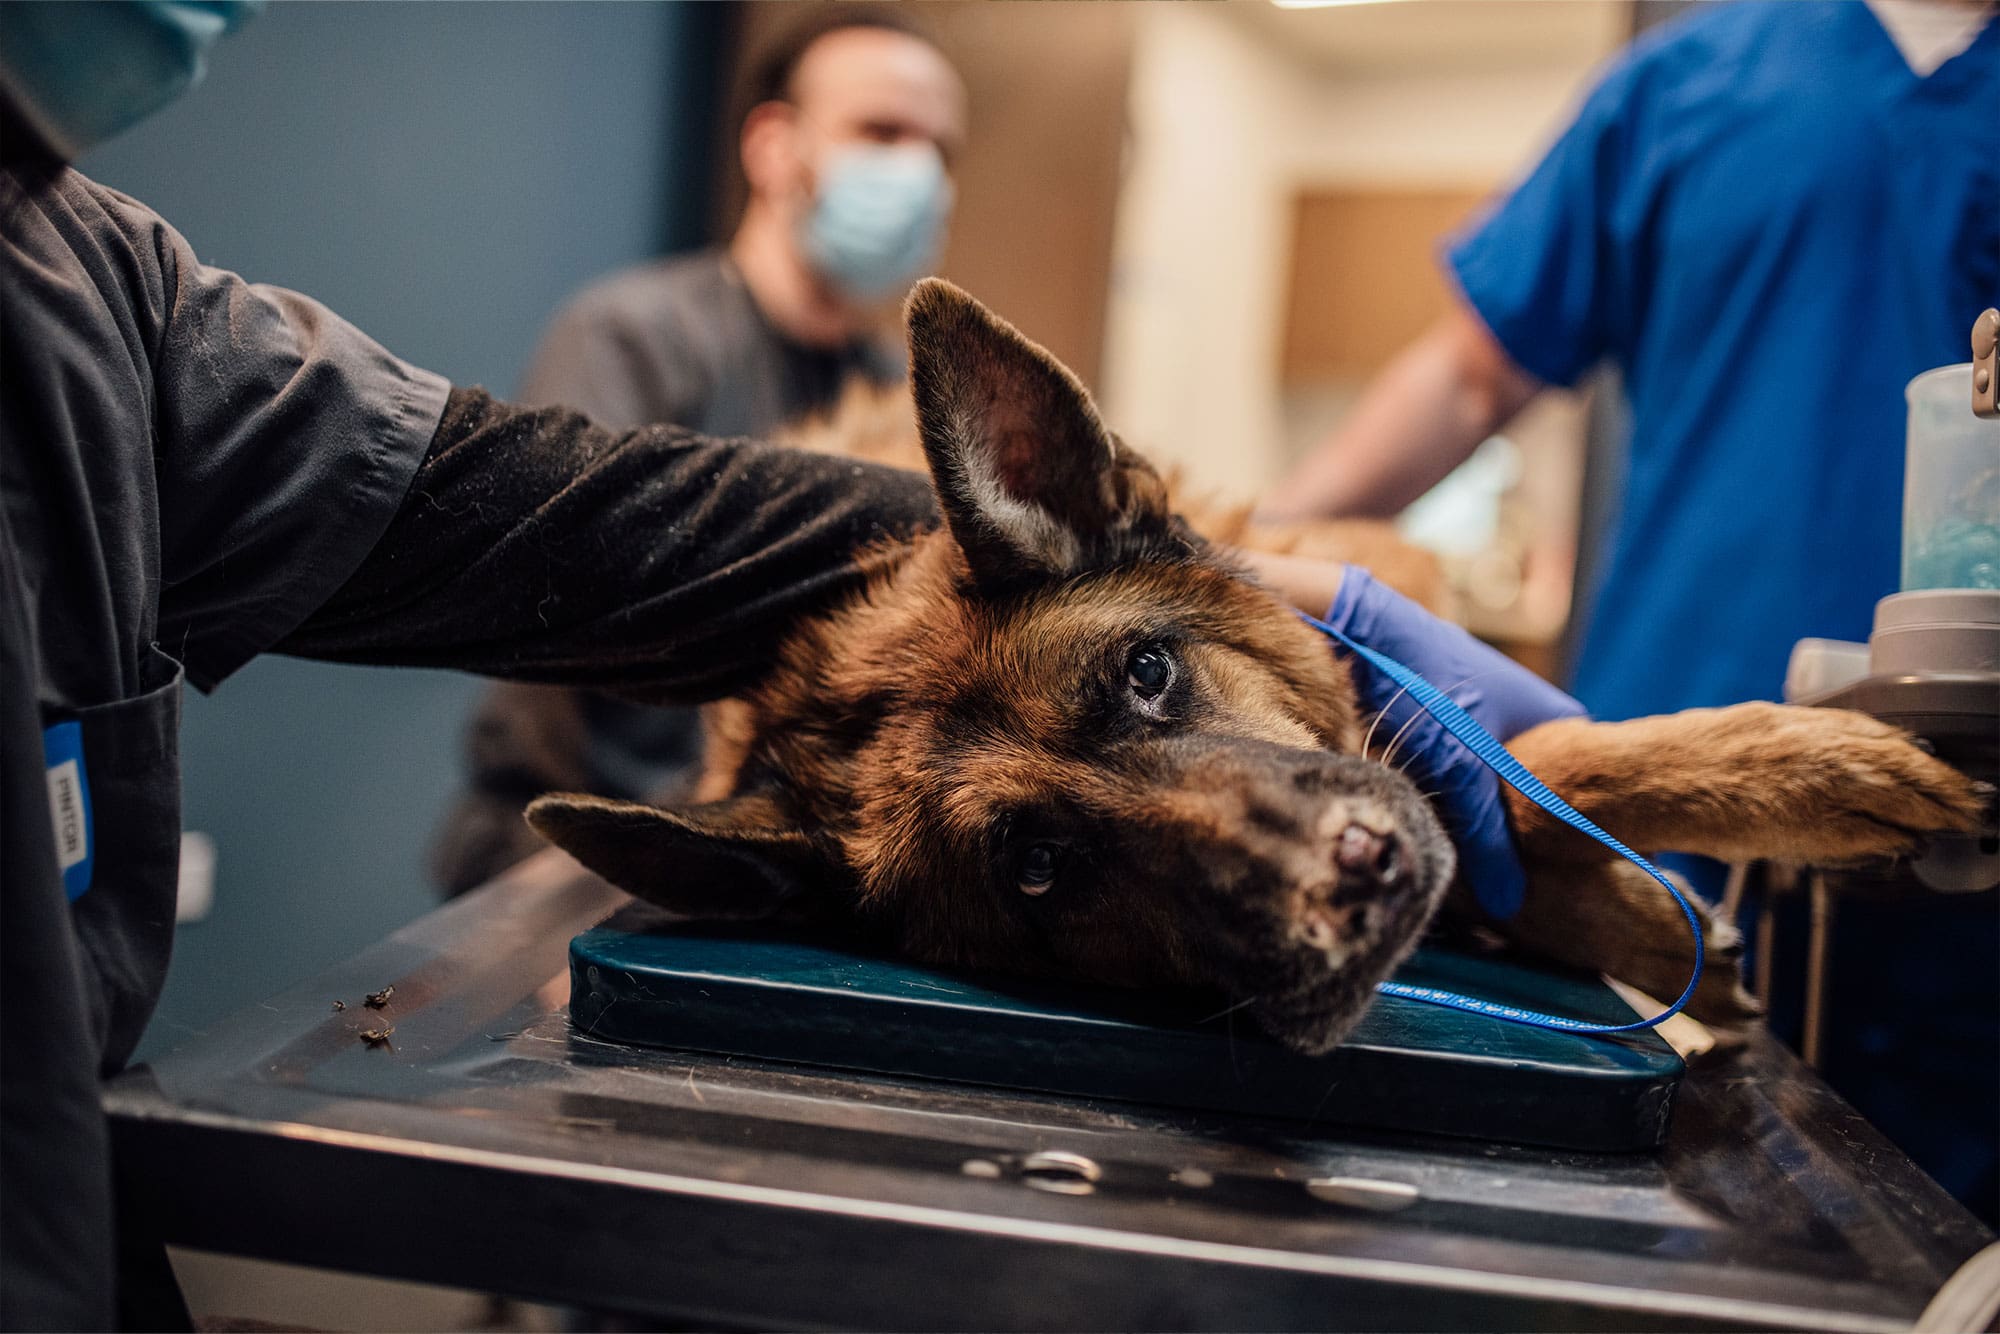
<point>339,1005</point>
<point>376,1037</point>
<point>378,999</point>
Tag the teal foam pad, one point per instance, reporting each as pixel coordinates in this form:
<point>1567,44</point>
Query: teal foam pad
<point>1408,1067</point>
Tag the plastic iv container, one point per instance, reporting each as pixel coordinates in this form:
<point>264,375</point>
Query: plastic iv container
<point>1951,486</point>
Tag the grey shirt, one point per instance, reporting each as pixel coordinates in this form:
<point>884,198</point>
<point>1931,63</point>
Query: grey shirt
<point>681,341</point>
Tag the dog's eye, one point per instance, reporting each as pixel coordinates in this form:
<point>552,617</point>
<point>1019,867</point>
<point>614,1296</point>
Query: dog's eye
<point>1039,866</point>
<point>1149,671</point>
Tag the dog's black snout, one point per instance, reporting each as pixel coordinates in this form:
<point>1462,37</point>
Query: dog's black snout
<point>1366,852</point>
<point>1389,862</point>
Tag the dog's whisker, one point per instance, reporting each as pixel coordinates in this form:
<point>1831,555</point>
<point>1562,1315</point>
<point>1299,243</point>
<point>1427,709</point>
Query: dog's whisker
<point>1389,755</point>
<point>1380,714</point>
<point>1383,712</point>
<point>1228,1009</point>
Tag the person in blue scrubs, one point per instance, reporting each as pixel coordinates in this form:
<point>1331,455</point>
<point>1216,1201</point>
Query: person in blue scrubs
<point>1769,216</point>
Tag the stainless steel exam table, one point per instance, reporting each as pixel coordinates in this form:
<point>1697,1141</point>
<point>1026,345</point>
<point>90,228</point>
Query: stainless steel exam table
<point>485,1145</point>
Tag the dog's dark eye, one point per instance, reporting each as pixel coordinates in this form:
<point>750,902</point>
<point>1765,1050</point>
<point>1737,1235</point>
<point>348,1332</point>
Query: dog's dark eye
<point>1149,671</point>
<point>1039,866</point>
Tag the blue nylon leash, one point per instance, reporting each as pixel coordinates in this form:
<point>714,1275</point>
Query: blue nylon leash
<point>1512,772</point>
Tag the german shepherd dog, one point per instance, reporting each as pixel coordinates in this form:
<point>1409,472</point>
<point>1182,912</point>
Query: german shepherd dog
<point>1064,735</point>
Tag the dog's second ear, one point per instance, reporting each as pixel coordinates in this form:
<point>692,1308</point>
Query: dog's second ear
<point>727,860</point>
<point>1031,482</point>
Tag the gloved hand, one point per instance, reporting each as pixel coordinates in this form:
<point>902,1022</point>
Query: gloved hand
<point>1503,696</point>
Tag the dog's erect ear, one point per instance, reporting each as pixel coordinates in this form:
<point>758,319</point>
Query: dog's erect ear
<point>1031,482</point>
<point>735,859</point>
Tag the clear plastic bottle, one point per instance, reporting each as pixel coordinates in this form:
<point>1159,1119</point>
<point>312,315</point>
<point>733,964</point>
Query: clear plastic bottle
<point>1951,486</point>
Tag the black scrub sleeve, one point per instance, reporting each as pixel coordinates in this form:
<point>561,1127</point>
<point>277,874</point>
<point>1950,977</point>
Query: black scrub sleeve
<point>655,564</point>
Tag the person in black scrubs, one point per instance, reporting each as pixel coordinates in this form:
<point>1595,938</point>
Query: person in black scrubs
<point>194,470</point>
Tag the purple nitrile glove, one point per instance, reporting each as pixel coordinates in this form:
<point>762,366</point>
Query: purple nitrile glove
<point>1504,697</point>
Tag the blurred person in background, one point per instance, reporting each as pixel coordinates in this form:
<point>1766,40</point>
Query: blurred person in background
<point>854,119</point>
<point>1769,217</point>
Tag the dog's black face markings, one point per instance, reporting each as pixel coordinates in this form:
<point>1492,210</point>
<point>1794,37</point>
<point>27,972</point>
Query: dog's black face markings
<point>1101,754</point>
<point>1071,816</point>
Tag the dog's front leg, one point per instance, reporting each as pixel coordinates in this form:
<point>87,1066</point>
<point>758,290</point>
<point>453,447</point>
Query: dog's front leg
<point>1752,781</point>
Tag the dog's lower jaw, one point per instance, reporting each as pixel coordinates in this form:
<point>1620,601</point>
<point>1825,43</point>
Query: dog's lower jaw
<point>1352,901</point>
<point>1308,995</point>
<point>1315,1014</point>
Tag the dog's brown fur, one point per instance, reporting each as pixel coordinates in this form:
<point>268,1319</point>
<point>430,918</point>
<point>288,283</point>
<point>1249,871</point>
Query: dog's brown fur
<point>1065,735</point>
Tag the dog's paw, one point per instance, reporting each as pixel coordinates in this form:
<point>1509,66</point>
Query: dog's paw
<point>1616,919</point>
<point>1658,958</point>
<point>1848,787</point>
<point>1721,1001</point>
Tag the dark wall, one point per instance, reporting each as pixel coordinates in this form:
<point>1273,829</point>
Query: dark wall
<point>442,175</point>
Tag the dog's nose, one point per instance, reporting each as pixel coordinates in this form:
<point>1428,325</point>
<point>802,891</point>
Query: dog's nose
<point>1365,852</point>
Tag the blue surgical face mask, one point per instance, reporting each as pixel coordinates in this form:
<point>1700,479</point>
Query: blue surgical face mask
<point>877,222</point>
<point>80,73</point>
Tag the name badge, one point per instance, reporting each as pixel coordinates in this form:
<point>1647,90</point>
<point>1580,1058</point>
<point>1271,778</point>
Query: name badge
<point>69,805</point>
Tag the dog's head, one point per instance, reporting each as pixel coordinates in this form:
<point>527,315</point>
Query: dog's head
<point>1060,737</point>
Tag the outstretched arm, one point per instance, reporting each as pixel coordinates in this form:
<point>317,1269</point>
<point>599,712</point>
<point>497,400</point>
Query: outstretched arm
<point>1420,418</point>
<point>656,564</point>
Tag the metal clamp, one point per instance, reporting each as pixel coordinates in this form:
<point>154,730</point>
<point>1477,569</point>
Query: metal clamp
<point>1986,364</point>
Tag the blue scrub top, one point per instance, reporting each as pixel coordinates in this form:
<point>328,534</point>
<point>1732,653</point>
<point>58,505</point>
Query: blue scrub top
<point>1770,223</point>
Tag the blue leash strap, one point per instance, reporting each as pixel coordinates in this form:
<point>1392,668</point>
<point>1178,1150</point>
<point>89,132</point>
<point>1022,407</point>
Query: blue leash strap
<point>1511,771</point>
